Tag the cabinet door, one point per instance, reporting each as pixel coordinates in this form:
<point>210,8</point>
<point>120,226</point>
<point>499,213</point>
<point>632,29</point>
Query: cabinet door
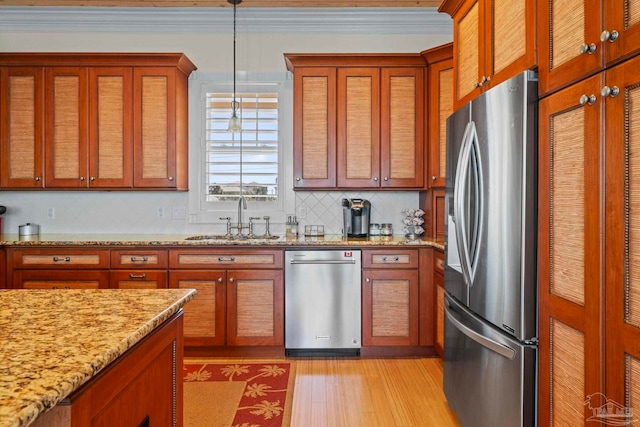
<point>440,107</point>
<point>622,16</point>
<point>60,279</point>
<point>138,279</point>
<point>358,136</point>
<point>204,316</point>
<point>21,127</point>
<point>512,48</point>
<point>154,129</point>
<point>622,219</point>
<point>569,41</point>
<point>402,127</point>
<point>390,308</point>
<point>110,153</point>
<point>66,133</point>
<point>255,307</point>
<point>569,254</point>
<point>469,40</point>
<point>314,124</point>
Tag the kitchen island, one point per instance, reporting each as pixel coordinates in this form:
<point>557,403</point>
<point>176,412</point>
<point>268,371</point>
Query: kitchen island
<point>66,355</point>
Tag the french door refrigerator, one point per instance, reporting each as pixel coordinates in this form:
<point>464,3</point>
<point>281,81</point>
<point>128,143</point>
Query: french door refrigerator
<point>490,343</point>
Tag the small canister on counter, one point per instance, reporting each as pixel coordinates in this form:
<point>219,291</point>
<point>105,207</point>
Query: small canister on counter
<point>374,229</point>
<point>386,229</point>
<point>29,231</point>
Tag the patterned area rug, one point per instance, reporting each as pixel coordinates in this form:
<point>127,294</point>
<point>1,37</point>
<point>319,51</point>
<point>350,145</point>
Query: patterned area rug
<point>238,395</point>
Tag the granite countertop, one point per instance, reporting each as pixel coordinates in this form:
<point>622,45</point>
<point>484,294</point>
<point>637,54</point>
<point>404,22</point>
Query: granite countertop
<point>180,240</point>
<point>53,341</point>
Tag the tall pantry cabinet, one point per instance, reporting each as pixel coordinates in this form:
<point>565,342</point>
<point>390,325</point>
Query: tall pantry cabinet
<point>589,289</point>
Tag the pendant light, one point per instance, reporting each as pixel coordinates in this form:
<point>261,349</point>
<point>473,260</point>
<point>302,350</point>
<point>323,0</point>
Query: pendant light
<point>235,124</point>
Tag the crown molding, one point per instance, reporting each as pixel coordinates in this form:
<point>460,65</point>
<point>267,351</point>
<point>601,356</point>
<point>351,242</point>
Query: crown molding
<point>422,20</point>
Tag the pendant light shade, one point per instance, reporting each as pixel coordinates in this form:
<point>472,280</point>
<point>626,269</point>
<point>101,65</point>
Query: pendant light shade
<point>235,123</point>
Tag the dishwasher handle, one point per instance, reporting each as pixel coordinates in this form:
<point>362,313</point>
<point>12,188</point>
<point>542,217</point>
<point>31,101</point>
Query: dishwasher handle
<point>325,261</point>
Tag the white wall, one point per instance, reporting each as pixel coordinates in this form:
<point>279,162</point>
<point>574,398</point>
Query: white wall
<point>136,212</point>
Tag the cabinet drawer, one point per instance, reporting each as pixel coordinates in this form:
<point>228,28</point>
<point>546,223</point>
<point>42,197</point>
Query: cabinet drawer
<point>60,258</point>
<point>185,258</point>
<point>138,258</point>
<point>56,279</point>
<point>438,261</point>
<point>138,279</point>
<point>407,258</point>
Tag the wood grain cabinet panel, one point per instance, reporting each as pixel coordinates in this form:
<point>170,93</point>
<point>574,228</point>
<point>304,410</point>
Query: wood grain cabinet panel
<point>493,40</point>
<point>204,316</point>
<point>569,248</point>
<point>622,242</point>
<point>138,279</point>
<point>105,121</point>
<point>439,89</point>
<point>66,127</point>
<point>60,279</point>
<point>358,120</point>
<point>21,127</point>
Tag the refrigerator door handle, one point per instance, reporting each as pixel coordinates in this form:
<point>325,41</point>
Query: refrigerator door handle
<point>488,343</point>
<point>459,195</point>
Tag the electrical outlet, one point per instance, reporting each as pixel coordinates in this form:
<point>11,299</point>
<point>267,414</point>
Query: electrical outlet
<point>51,213</point>
<point>160,213</point>
<point>302,212</point>
<point>178,212</point>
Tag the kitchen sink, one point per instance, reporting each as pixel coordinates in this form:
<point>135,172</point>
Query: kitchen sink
<point>226,237</point>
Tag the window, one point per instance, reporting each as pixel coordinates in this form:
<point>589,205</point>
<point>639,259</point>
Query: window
<point>241,163</point>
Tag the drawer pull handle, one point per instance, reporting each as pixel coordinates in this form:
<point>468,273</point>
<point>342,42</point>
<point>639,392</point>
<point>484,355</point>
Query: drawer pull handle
<point>58,259</point>
<point>386,259</point>
<point>137,276</point>
<point>136,259</point>
<point>223,259</point>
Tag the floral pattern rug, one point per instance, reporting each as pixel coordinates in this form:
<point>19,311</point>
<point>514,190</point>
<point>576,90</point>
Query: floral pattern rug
<point>265,399</point>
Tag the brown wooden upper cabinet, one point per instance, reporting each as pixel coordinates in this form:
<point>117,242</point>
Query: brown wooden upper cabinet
<point>87,120</point>
<point>358,120</point>
<point>439,108</point>
<point>492,41</point>
<point>580,37</point>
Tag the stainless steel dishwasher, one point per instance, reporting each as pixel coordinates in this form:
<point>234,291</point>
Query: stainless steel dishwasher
<point>322,302</point>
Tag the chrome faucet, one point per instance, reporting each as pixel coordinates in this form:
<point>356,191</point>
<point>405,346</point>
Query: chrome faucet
<point>242,204</point>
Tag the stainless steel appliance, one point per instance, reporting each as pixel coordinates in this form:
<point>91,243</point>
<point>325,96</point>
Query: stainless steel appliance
<point>322,302</point>
<point>490,343</point>
<point>356,214</point>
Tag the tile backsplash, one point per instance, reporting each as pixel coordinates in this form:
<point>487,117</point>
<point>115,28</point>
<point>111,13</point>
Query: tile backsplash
<point>325,208</point>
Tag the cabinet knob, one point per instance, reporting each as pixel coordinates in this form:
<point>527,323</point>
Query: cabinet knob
<point>170,178</point>
<point>231,280</point>
<point>367,280</point>
<point>219,279</point>
<point>297,178</point>
<point>433,178</point>
<point>610,91</point>
<point>609,36</point>
<point>584,99</point>
<point>588,48</point>
<point>82,178</point>
<point>375,178</point>
<point>386,178</point>
<point>93,178</point>
<point>37,178</point>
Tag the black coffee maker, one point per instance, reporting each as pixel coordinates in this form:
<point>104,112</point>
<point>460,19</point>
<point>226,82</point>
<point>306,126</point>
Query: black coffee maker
<point>356,214</point>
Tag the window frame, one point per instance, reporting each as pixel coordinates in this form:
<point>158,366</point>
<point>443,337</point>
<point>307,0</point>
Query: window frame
<point>202,211</point>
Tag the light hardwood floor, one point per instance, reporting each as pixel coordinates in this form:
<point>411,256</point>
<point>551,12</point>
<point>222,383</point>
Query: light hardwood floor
<point>341,392</point>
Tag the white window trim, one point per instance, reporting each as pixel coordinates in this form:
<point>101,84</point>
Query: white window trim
<point>200,212</point>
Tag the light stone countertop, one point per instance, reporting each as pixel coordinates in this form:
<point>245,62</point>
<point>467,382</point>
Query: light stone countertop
<point>179,240</point>
<point>53,341</point>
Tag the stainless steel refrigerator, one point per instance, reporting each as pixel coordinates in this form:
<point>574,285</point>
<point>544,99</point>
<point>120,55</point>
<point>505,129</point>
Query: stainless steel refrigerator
<point>490,343</point>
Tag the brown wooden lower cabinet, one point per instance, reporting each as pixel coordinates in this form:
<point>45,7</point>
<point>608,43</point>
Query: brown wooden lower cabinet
<point>142,385</point>
<point>390,307</point>
<point>60,279</point>
<point>439,282</point>
<point>233,307</point>
<point>138,279</point>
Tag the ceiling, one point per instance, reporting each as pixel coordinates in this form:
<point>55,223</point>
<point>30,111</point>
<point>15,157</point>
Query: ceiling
<point>224,3</point>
